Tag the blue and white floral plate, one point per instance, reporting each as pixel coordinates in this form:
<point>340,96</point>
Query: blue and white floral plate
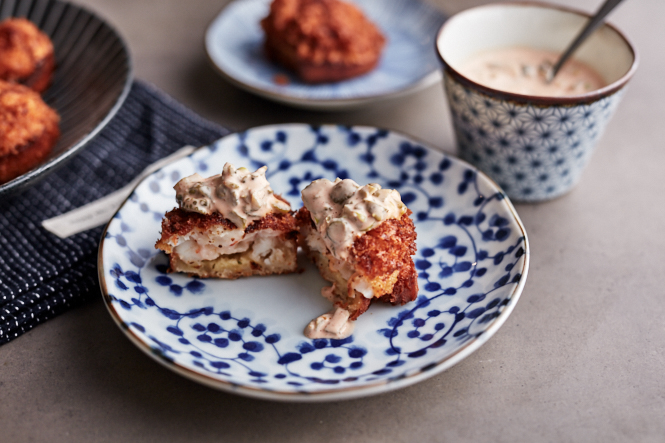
<point>246,336</point>
<point>234,42</point>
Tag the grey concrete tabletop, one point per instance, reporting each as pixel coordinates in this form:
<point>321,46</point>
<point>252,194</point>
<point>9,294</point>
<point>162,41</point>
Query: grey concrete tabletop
<point>582,357</point>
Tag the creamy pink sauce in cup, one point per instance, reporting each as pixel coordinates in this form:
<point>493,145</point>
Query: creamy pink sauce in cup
<point>523,70</point>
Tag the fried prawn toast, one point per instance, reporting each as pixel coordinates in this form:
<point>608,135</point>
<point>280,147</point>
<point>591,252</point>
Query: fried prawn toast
<point>26,54</point>
<point>228,226</point>
<point>361,240</point>
<point>321,40</point>
<point>28,130</point>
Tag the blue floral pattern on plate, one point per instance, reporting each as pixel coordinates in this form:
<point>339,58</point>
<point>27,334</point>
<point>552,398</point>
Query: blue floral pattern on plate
<point>246,335</point>
<point>234,42</point>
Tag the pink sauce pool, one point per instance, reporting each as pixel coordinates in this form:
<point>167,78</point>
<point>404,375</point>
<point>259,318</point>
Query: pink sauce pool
<point>523,71</point>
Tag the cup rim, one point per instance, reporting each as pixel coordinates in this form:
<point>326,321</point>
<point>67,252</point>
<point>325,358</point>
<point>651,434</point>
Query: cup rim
<point>588,97</point>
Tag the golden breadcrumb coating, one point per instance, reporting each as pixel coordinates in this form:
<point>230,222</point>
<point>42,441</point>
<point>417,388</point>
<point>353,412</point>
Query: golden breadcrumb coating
<point>28,130</point>
<point>26,54</point>
<point>388,248</point>
<point>382,256</point>
<point>321,40</point>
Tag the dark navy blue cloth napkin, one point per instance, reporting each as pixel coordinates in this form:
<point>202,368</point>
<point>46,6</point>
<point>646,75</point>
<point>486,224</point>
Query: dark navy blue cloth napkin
<point>42,275</point>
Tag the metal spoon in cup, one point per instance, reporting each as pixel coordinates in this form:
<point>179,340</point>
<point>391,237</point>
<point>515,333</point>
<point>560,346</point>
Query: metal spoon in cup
<point>590,27</point>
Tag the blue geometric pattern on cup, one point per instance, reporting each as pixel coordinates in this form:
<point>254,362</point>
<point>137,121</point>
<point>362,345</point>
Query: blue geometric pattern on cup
<point>533,152</point>
<point>471,257</point>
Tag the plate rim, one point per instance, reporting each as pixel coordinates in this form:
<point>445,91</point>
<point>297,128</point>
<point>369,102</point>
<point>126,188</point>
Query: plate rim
<point>41,171</point>
<point>347,393</point>
<point>319,104</point>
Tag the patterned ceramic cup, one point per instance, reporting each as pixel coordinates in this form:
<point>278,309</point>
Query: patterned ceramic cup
<point>534,147</point>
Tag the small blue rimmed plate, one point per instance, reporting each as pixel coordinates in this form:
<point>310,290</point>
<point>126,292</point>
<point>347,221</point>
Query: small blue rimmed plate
<point>234,42</point>
<point>245,336</point>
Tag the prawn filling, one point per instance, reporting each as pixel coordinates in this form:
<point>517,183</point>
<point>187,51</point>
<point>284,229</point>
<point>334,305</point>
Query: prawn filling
<point>378,266</point>
<point>212,246</point>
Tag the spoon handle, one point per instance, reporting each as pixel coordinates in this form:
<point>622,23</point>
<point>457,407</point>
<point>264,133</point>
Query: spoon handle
<point>591,26</point>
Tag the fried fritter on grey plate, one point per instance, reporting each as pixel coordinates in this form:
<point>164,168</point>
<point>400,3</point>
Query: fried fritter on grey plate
<point>26,54</point>
<point>28,130</point>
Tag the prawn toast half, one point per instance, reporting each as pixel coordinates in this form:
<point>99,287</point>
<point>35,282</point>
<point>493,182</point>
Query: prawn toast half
<point>362,240</point>
<point>379,265</point>
<point>229,226</point>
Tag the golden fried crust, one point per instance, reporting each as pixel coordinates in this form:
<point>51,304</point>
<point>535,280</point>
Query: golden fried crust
<point>376,254</point>
<point>28,130</point>
<point>26,54</point>
<point>178,222</point>
<point>321,40</point>
<point>304,218</point>
<point>386,248</point>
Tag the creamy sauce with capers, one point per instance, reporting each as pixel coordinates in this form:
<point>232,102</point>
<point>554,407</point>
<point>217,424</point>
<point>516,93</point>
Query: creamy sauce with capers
<point>239,195</point>
<point>524,71</point>
<point>343,210</point>
<point>334,324</point>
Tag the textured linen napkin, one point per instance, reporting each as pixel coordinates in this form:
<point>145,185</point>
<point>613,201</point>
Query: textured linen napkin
<point>42,275</point>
